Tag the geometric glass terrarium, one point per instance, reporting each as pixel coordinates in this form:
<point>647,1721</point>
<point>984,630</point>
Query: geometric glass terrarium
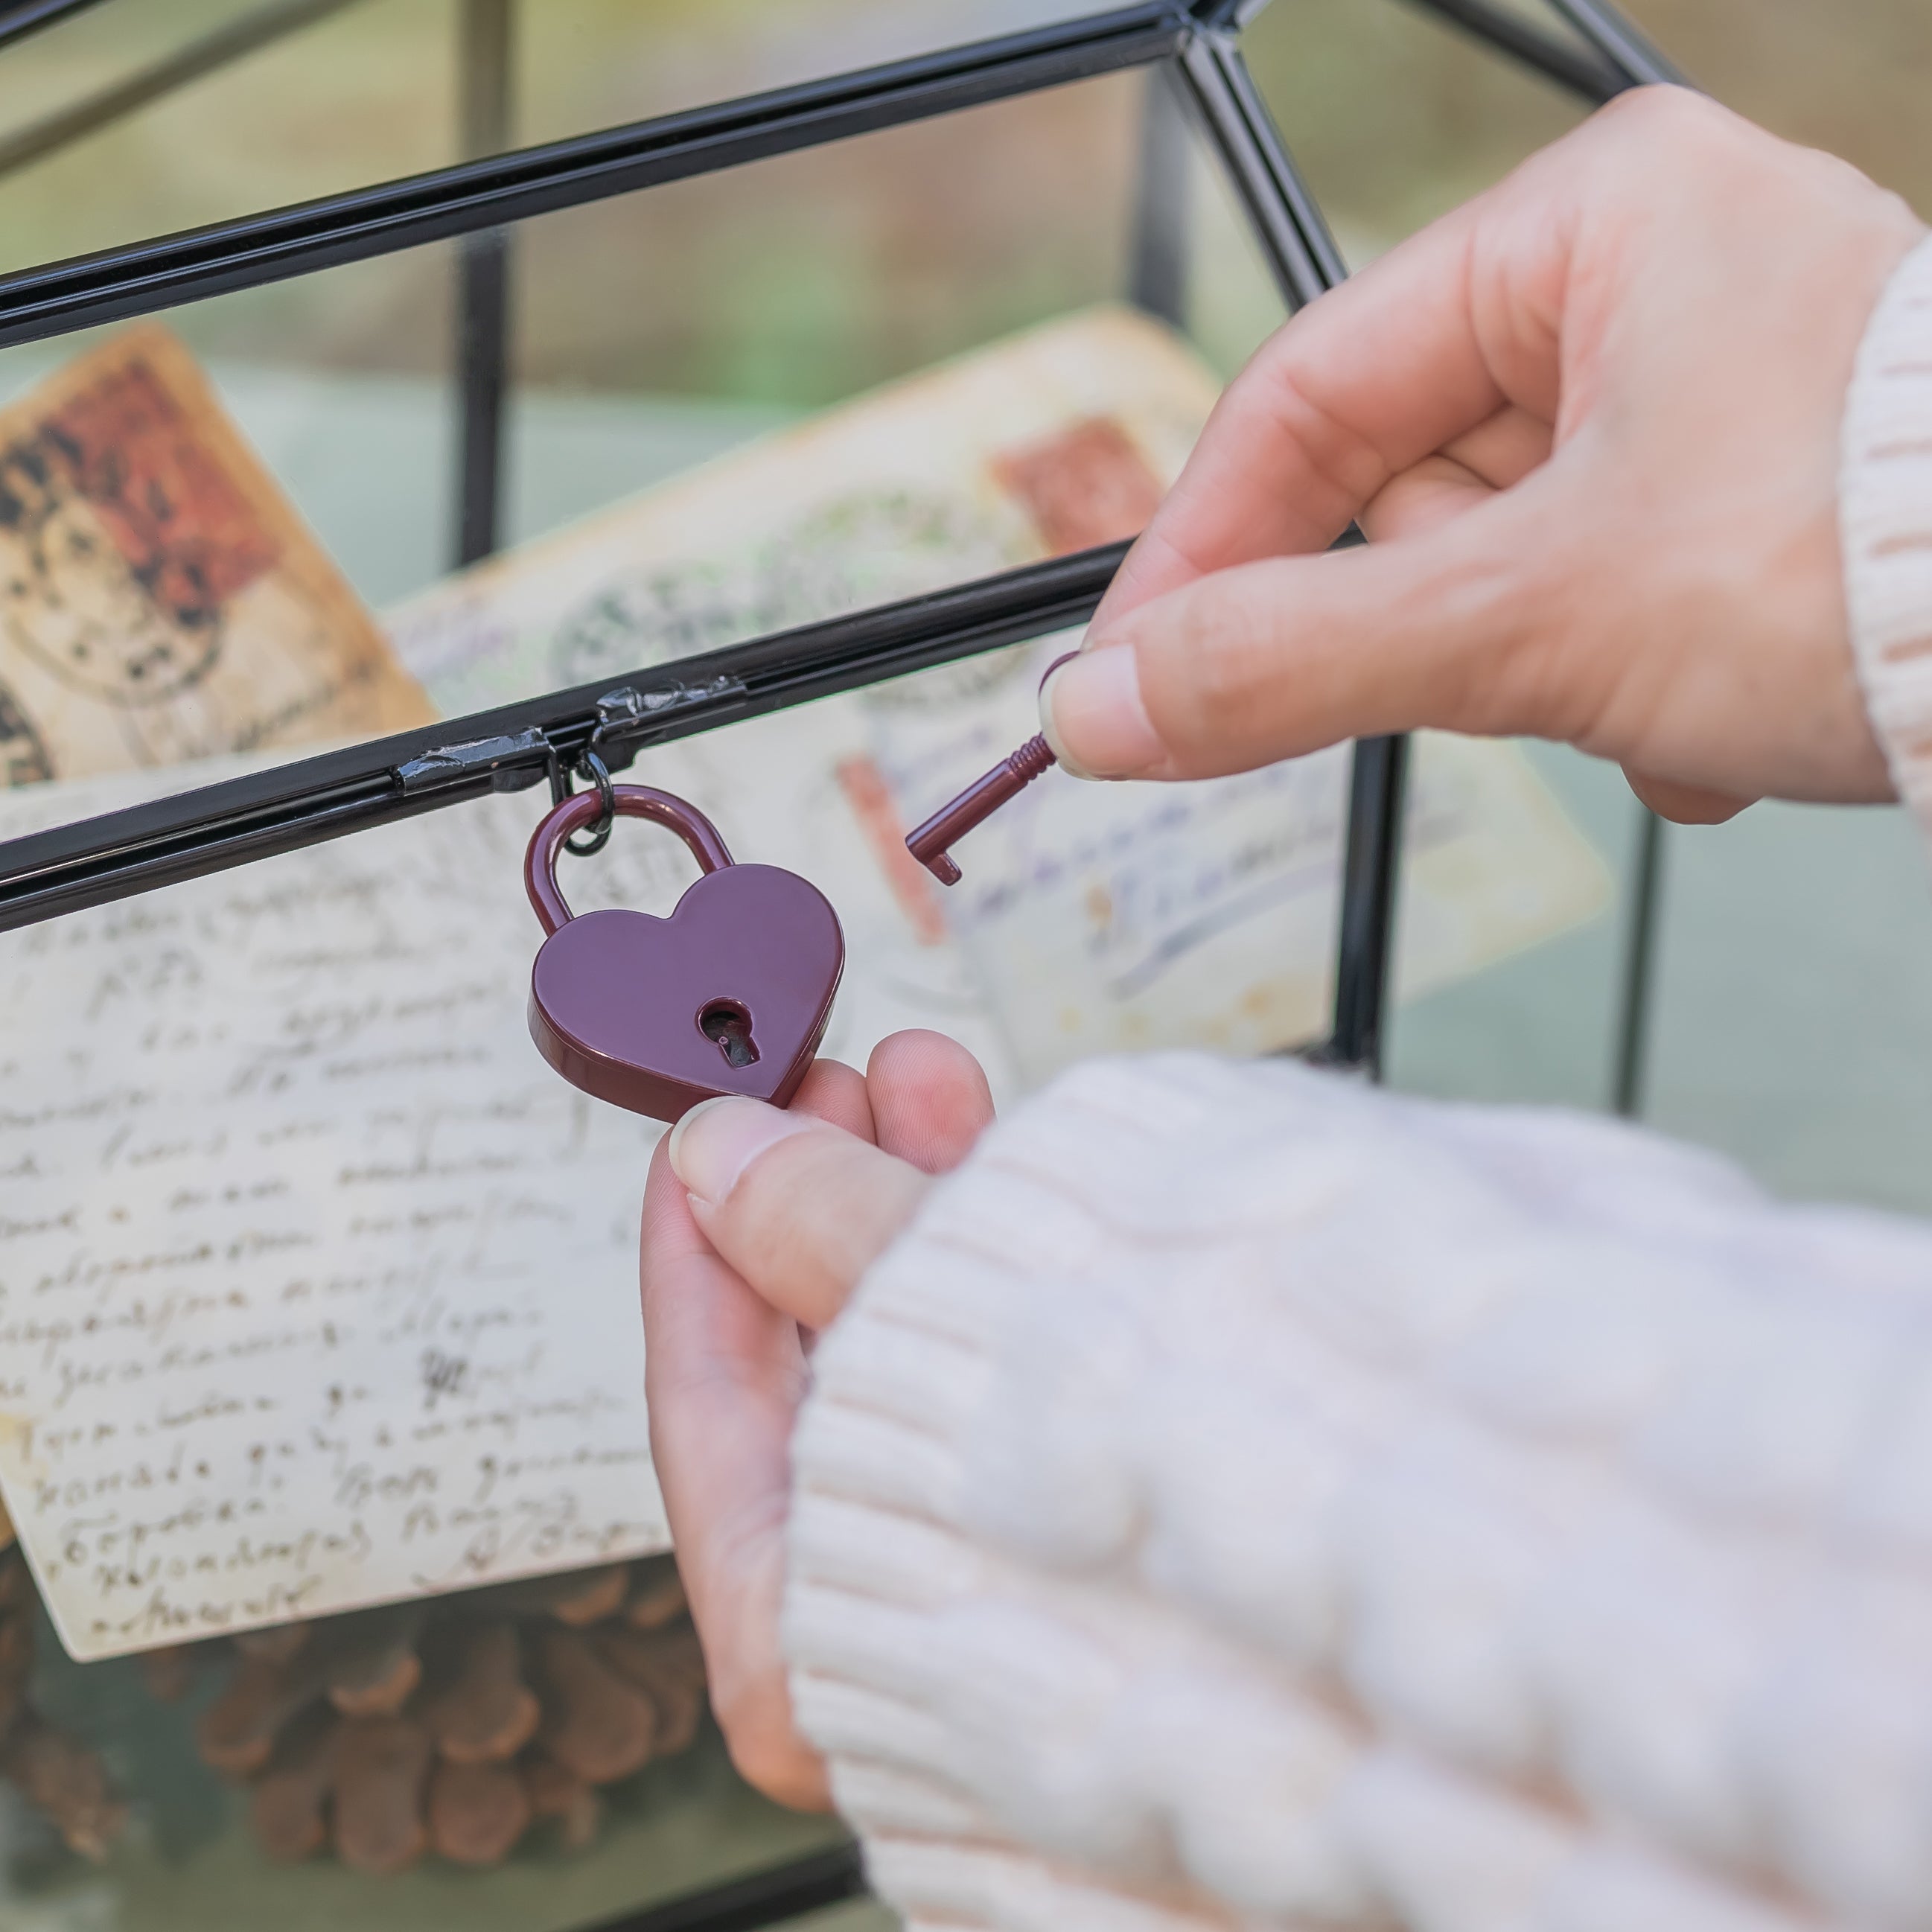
<point>492,1719</point>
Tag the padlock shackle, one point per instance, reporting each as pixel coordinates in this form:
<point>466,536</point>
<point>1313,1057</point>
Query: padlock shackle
<point>699,834</point>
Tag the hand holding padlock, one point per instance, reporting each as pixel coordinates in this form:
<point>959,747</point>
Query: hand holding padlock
<point>730,994</point>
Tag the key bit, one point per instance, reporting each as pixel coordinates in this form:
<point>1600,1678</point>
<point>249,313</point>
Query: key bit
<point>978,802</point>
<point>975,805</point>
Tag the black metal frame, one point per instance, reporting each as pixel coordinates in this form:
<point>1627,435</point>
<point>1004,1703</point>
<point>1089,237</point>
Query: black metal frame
<point>235,40</point>
<point>20,18</point>
<point>486,84</point>
<point>1191,48</point>
<point>774,1896</point>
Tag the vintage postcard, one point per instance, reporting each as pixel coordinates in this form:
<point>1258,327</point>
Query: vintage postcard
<point>160,598</point>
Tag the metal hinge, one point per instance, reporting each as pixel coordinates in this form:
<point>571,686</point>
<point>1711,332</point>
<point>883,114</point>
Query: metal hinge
<point>628,713</point>
<point>626,717</point>
<point>510,763</point>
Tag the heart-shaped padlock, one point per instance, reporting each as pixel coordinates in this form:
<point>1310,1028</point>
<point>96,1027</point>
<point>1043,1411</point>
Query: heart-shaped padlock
<point>729,994</point>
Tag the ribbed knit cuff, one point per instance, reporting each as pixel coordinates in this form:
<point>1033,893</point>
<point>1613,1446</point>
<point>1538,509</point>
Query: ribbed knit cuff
<point>1886,518</point>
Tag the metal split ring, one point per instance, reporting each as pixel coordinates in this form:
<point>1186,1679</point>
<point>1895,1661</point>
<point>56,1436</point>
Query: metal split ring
<point>587,844</point>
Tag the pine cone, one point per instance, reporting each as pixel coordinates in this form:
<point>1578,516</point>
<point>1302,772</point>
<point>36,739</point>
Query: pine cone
<point>67,1781</point>
<point>54,1772</point>
<point>453,1726</point>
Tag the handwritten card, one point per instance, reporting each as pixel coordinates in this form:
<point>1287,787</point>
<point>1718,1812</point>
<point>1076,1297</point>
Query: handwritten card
<point>318,1288</point>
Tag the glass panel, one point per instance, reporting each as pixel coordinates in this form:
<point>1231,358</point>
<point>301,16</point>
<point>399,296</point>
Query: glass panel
<point>1793,1013</point>
<point>999,239</point>
<point>591,63</point>
<point>797,283</point>
<point>359,93</point>
<point>1394,116</point>
<point>257,104</point>
<point>1540,1024</point>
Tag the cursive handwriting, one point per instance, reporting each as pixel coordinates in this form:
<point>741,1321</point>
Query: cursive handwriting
<point>317,1288</point>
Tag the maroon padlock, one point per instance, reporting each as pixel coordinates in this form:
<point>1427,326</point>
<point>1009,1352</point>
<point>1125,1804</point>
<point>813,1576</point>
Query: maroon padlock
<point>729,994</point>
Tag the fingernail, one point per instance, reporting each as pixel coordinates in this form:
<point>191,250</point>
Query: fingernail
<point>1094,701</point>
<point>712,1146</point>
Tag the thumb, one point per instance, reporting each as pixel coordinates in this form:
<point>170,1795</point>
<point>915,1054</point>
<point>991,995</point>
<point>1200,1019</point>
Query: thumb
<point>799,1209</point>
<point>1274,659</point>
<point>1684,804</point>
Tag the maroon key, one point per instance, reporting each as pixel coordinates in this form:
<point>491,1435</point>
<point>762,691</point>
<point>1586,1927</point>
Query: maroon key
<point>981,799</point>
<point>730,994</point>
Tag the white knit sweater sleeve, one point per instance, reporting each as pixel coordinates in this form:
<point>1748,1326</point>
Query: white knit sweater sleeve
<point>1886,526</point>
<point>1247,1499</point>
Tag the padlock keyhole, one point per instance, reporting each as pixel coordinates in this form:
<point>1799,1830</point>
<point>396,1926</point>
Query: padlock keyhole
<point>728,1025</point>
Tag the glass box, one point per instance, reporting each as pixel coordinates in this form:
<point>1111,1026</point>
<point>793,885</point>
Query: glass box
<point>408,398</point>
